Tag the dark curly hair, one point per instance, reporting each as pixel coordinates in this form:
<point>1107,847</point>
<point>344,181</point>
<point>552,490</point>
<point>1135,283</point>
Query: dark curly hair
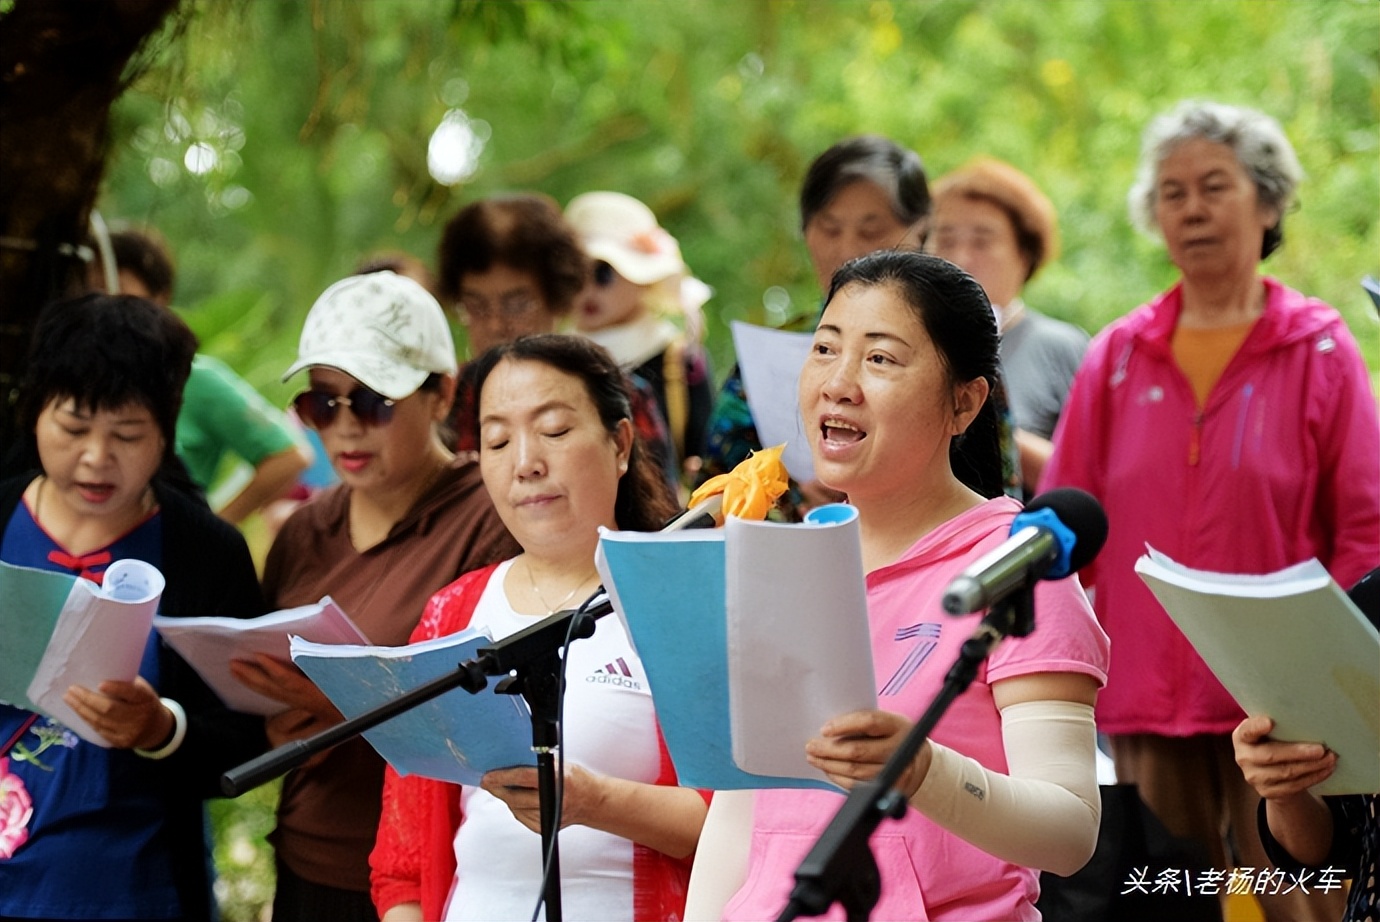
<point>106,352</point>
<point>524,231</point>
<point>644,502</point>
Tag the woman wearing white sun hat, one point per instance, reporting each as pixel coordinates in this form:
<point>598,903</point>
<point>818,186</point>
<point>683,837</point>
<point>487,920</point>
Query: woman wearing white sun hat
<point>643,305</point>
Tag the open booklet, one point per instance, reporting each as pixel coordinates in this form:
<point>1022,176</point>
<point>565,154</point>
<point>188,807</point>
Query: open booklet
<point>752,636</point>
<point>100,634</point>
<point>1290,645</point>
<point>210,644</point>
<point>455,736</point>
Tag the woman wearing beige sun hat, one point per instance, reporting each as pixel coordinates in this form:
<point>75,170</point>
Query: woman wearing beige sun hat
<point>642,304</point>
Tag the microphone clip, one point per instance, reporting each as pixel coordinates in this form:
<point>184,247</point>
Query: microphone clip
<point>1014,615</point>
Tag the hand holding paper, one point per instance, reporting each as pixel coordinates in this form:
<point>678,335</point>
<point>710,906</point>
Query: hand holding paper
<point>853,748</point>
<point>127,715</point>
<point>100,638</point>
<point>1290,645</point>
<point>1278,769</point>
<point>266,683</point>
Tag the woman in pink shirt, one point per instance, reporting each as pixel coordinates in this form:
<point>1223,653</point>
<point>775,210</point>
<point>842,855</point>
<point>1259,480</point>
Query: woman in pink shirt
<point>894,397</point>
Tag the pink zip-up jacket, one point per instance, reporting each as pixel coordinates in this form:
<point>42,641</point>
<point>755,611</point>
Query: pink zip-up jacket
<point>1281,464</point>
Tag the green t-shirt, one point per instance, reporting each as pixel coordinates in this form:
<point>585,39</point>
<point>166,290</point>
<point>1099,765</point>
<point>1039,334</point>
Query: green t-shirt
<point>221,414</point>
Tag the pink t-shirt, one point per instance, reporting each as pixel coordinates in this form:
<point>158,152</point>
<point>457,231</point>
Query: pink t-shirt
<point>927,872</point>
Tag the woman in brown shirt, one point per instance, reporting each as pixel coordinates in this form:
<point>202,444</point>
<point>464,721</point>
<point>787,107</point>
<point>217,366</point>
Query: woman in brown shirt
<point>406,519</point>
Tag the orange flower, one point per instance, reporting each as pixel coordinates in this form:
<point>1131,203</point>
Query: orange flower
<point>750,489</point>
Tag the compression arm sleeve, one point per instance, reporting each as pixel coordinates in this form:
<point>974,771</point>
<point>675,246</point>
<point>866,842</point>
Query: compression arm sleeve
<point>721,860</point>
<point>1042,815</point>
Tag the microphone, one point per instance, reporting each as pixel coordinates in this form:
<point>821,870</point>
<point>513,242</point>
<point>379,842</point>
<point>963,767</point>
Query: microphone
<point>1059,532</point>
<point>707,513</point>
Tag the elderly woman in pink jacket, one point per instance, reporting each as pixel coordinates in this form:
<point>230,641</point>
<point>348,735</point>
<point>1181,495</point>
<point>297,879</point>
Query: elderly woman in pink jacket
<point>1230,424</point>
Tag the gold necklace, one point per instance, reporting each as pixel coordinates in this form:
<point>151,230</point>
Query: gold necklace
<point>551,609</point>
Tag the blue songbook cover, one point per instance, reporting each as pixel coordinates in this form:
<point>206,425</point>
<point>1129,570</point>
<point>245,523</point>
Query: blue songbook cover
<point>752,637</point>
<point>455,737</point>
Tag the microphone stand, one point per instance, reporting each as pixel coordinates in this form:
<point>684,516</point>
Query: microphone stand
<point>529,662</point>
<point>840,866</point>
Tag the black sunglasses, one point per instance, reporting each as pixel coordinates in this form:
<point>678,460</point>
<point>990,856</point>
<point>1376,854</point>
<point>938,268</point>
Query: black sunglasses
<point>603,274</point>
<point>319,409</point>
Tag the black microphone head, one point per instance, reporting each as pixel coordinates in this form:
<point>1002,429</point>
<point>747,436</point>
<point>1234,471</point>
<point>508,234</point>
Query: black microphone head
<point>1081,514</point>
<point>1365,595</point>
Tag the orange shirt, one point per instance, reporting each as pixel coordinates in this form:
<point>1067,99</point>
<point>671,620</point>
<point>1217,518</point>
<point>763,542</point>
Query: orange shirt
<point>1203,354</point>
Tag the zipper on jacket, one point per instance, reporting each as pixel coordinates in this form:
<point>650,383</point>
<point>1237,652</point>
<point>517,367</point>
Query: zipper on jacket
<point>1195,439</point>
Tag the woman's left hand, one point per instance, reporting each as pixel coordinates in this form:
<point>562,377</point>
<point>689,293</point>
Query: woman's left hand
<point>517,787</point>
<point>128,714</point>
<point>273,678</point>
<point>853,748</point>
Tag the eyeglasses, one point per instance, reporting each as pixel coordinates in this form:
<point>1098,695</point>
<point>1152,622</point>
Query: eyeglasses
<point>319,409</point>
<point>603,274</point>
<point>509,306</point>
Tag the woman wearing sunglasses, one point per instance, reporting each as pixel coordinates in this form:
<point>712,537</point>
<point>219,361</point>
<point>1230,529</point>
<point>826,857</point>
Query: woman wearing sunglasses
<point>558,454</point>
<point>642,304</point>
<point>406,518</point>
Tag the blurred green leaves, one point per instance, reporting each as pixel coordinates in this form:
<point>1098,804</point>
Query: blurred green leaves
<point>317,116</point>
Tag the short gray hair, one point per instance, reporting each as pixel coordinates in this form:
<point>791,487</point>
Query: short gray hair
<point>1257,139</point>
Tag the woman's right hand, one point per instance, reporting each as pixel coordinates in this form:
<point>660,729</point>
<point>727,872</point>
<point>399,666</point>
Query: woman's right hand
<point>1279,770</point>
<point>282,681</point>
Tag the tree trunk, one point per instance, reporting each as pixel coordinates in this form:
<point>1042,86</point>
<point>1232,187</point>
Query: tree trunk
<point>62,64</point>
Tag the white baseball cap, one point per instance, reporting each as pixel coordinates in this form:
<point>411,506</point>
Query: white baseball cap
<point>382,329</point>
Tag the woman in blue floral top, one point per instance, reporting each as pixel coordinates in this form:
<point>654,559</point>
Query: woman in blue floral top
<point>116,831</point>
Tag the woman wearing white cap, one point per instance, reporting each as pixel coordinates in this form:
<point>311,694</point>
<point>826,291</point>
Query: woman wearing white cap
<point>638,286</point>
<point>406,518</point>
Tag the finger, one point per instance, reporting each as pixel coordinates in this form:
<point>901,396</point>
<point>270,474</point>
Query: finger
<point>77,699</point>
<point>854,771</point>
<point>1285,754</point>
<point>93,702</point>
<point>127,692</point>
<point>856,723</point>
<point>1253,729</point>
<point>851,749</point>
<point>865,724</point>
<point>276,667</point>
<point>249,674</point>
<point>518,777</point>
<point>842,781</point>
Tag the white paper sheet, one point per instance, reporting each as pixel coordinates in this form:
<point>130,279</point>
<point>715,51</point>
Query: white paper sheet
<point>770,361</point>
<point>209,644</point>
<point>100,635</point>
<point>798,647</point>
<point>1288,644</point>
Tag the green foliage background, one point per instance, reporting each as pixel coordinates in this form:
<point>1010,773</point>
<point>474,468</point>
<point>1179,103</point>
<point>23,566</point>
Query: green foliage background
<point>710,110</point>
<point>318,113</point>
